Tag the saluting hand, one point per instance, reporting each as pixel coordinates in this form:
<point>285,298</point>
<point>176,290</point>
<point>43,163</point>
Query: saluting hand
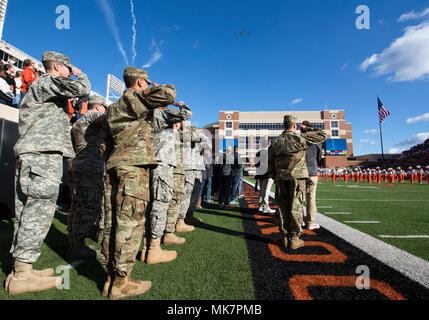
<point>76,71</point>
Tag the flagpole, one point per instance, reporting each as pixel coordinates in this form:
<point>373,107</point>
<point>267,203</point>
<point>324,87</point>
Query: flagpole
<point>381,139</point>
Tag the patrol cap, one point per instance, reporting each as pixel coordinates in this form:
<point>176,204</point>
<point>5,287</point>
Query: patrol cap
<point>56,57</point>
<point>307,123</point>
<point>94,100</point>
<point>289,119</point>
<point>138,73</point>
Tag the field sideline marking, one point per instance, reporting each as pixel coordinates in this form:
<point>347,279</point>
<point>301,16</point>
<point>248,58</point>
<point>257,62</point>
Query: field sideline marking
<point>336,213</point>
<point>361,221</point>
<point>404,262</point>
<point>404,237</point>
<point>381,200</point>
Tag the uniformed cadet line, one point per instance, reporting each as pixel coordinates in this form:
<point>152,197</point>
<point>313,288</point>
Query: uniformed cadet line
<point>404,237</point>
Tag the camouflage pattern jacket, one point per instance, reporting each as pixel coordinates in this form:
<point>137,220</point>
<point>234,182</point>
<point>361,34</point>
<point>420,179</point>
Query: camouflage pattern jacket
<point>286,155</point>
<point>198,151</point>
<point>88,133</point>
<point>164,139</point>
<point>130,124</point>
<point>178,150</point>
<point>43,115</point>
<point>194,143</point>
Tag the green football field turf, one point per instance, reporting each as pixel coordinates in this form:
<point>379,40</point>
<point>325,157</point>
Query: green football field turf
<point>399,209</point>
<point>212,264</point>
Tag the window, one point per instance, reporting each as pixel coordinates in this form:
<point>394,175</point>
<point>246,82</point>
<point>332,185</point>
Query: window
<point>242,143</point>
<point>334,116</point>
<point>335,133</point>
<point>228,133</point>
<point>228,125</point>
<point>228,117</point>
<point>247,143</point>
<point>257,140</point>
<point>334,124</point>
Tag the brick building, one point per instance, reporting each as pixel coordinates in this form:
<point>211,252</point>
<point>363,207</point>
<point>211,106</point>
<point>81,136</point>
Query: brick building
<point>246,129</point>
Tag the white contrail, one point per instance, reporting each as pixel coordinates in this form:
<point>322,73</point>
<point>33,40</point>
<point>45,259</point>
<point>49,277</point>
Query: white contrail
<point>133,49</point>
<point>155,56</point>
<point>110,19</point>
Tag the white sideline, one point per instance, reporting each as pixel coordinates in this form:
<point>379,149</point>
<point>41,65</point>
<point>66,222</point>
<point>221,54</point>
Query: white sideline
<point>362,222</point>
<point>335,213</point>
<point>409,265</point>
<point>404,237</point>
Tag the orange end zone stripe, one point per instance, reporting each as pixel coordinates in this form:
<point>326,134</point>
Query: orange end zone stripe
<point>299,285</point>
<point>335,255</point>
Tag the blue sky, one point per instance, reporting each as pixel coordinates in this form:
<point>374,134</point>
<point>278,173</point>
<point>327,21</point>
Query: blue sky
<point>298,55</point>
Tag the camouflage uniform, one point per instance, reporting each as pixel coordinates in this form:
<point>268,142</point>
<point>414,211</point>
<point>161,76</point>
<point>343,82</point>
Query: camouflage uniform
<point>286,164</point>
<point>178,186</point>
<point>191,137</point>
<point>44,139</point>
<point>198,166</point>
<point>87,171</point>
<point>162,176</point>
<point>130,126</point>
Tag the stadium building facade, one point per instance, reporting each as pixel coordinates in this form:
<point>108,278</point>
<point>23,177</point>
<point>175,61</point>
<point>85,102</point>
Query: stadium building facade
<point>246,129</point>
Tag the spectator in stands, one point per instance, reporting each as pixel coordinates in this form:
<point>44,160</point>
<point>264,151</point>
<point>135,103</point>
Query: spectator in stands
<point>6,94</point>
<point>18,83</point>
<point>29,75</point>
<point>10,74</point>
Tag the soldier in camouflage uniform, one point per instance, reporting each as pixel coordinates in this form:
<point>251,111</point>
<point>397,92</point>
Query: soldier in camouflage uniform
<point>87,170</point>
<point>162,180</point>
<point>44,139</point>
<point>178,191</point>
<point>287,165</point>
<point>197,167</point>
<point>129,123</point>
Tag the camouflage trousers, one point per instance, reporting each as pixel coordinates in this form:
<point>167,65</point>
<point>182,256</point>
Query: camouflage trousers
<point>87,195</point>
<point>107,224</point>
<point>162,193</point>
<point>128,195</point>
<point>175,203</point>
<point>290,197</point>
<point>37,180</point>
<point>190,181</point>
<point>196,191</point>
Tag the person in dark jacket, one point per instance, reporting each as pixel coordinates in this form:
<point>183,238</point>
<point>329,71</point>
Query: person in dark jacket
<point>236,174</point>
<point>312,158</point>
<point>225,178</point>
<point>206,185</point>
<point>263,179</point>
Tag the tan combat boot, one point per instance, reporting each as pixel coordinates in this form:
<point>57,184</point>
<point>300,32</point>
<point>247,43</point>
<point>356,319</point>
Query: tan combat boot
<point>199,207</point>
<point>156,255</point>
<point>49,272</point>
<point>23,279</point>
<point>170,238</point>
<point>108,284</point>
<point>191,219</point>
<point>181,226</point>
<point>124,287</point>
<point>144,249</point>
<point>295,243</point>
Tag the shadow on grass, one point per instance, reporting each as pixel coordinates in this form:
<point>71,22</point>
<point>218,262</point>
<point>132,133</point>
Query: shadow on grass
<point>234,233</point>
<point>6,231</point>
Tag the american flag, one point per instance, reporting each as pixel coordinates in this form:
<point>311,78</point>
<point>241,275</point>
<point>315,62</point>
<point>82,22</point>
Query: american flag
<point>382,112</point>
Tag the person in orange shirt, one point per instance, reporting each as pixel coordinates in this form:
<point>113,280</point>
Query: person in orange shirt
<point>411,173</point>
<point>401,175</point>
<point>334,175</point>
<point>420,174</point>
<point>427,173</point>
<point>29,75</point>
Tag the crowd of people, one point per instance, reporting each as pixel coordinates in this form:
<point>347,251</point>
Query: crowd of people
<point>15,83</point>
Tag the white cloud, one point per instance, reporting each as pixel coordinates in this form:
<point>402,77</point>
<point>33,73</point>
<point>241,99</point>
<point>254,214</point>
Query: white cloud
<point>364,140</point>
<point>423,117</point>
<point>156,55</point>
<point>414,140</point>
<point>395,150</point>
<point>296,101</point>
<point>370,131</point>
<point>110,19</point>
<point>412,15</point>
<point>343,66</point>
<point>406,58</point>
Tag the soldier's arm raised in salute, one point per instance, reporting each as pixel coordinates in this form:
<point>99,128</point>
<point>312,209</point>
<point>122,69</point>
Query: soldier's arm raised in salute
<point>165,118</point>
<point>69,88</point>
